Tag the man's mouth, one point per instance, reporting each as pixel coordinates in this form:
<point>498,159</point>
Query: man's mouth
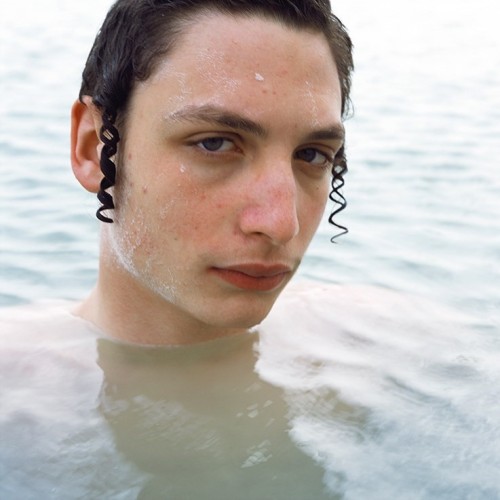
<point>255,277</point>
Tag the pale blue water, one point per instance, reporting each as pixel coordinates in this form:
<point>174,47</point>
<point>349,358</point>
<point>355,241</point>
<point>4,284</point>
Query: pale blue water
<point>423,190</point>
<point>424,149</point>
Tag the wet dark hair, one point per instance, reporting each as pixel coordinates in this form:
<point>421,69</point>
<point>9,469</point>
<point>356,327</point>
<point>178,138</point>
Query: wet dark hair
<point>137,34</point>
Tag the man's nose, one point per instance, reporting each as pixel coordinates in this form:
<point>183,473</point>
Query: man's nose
<point>270,210</point>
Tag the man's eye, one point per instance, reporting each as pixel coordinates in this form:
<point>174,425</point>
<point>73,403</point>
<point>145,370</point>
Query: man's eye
<point>216,144</point>
<point>314,156</point>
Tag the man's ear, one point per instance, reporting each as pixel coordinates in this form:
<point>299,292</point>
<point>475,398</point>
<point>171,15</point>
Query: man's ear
<point>85,144</point>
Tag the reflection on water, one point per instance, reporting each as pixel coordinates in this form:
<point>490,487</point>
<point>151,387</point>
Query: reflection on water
<point>376,405</point>
<point>86,417</point>
<point>200,423</point>
<point>395,397</point>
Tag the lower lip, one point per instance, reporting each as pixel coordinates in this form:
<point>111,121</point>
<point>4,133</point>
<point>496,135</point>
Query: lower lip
<point>247,282</point>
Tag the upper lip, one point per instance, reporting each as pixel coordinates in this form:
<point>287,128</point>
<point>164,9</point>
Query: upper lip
<point>258,270</point>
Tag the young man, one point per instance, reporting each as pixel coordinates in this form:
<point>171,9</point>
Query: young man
<point>212,133</point>
<point>228,131</point>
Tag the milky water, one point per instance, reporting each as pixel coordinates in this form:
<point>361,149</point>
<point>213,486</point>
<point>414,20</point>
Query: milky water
<point>419,412</point>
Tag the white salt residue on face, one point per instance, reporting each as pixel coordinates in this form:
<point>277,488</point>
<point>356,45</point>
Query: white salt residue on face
<point>166,208</point>
<point>123,245</point>
<point>122,242</point>
<point>128,246</point>
<point>166,289</point>
<point>259,77</point>
<point>185,90</point>
<point>166,71</point>
<point>311,96</point>
<point>206,60</point>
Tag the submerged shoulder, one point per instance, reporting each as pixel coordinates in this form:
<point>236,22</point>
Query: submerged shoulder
<point>309,313</point>
<point>309,300</point>
<point>334,335</point>
<point>44,322</point>
<point>43,348</point>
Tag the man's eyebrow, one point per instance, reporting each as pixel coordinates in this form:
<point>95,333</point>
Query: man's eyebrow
<point>218,116</point>
<point>334,133</point>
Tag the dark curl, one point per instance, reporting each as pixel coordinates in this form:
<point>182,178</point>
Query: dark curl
<point>110,137</point>
<point>338,171</point>
<point>137,34</point>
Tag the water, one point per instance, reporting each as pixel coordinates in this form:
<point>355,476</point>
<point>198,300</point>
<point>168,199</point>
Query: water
<point>395,404</point>
<point>423,150</point>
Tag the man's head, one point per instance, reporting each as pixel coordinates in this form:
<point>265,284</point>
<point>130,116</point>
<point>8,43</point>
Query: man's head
<point>137,34</point>
<point>229,135</point>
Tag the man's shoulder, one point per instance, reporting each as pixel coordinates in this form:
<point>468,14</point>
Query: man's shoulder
<point>340,302</point>
<point>43,343</point>
<point>29,324</point>
<point>312,312</point>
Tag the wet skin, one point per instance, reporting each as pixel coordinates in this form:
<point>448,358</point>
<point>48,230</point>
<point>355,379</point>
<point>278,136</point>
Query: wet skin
<point>224,173</point>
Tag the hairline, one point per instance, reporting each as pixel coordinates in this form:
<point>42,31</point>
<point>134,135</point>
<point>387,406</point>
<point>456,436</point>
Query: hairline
<point>186,22</point>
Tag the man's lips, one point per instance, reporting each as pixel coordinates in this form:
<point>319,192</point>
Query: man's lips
<point>257,277</point>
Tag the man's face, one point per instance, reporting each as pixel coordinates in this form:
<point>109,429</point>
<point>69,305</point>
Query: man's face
<point>225,169</point>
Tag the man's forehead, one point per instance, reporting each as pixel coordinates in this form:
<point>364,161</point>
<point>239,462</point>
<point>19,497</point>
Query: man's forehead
<point>217,43</point>
<point>207,70</point>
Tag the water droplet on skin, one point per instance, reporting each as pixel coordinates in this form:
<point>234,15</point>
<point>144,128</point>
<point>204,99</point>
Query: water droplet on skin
<point>259,77</point>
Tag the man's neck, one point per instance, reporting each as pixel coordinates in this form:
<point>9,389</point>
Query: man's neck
<point>126,310</point>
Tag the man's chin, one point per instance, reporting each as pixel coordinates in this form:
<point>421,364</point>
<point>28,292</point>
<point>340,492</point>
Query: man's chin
<point>250,318</point>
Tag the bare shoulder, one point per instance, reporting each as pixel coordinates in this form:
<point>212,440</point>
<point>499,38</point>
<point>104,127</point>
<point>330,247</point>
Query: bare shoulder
<point>310,313</point>
<point>44,350</point>
<point>44,327</point>
<point>23,321</point>
<point>332,301</point>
